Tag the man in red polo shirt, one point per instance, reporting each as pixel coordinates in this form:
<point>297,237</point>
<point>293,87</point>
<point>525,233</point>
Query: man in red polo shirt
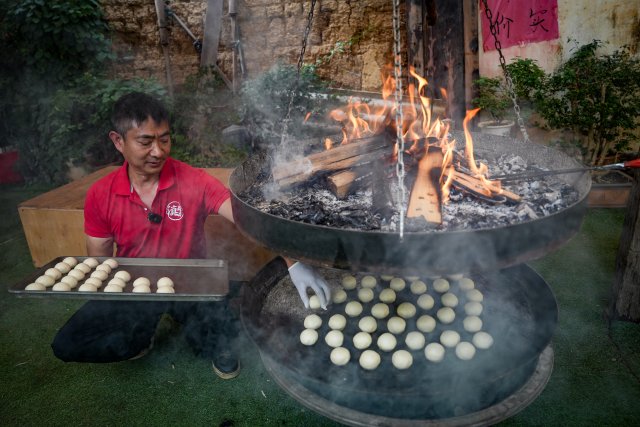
<point>155,207</point>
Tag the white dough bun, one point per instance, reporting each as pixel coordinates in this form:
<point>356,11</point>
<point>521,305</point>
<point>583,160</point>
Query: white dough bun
<point>124,275</point>
<point>312,321</point>
<point>426,302</point>
<point>35,287</point>
<point>362,340</point>
<point>434,352</point>
<point>415,340</point>
<point>309,336</point>
<point>349,282</point>
<point>61,287</point>
<point>339,296</point>
<point>369,360</point>
<point>368,282</point>
<point>353,308</point>
<point>338,322</point>
<point>70,261</point>
<point>340,356</point>
<point>141,289</point>
<point>386,342</point>
<point>334,338</point>
<point>402,359</point>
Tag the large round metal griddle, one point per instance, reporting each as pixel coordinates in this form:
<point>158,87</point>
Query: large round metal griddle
<point>429,252</point>
<point>520,311</point>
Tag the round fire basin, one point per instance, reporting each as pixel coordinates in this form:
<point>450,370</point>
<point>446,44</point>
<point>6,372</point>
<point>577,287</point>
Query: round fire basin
<point>429,252</point>
<point>491,415</point>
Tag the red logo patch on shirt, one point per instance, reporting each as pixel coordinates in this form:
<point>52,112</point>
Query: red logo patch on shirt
<point>174,211</point>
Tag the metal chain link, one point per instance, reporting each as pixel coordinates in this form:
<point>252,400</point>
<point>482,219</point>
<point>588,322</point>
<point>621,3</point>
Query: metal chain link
<point>503,64</point>
<point>307,30</point>
<point>397,71</point>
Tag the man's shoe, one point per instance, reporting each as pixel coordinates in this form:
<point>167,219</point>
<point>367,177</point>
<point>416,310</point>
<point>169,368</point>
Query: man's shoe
<point>226,365</point>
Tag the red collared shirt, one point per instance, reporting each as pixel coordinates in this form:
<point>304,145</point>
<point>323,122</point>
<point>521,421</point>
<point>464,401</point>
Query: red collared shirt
<point>185,197</point>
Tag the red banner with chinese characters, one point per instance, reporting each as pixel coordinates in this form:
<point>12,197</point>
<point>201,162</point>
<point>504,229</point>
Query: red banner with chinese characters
<point>520,21</point>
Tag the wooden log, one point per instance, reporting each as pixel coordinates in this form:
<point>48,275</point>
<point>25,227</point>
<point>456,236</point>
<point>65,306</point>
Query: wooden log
<point>474,185</point>
<point>426,198</point>
<point>625,300</point>
<point>345,156</point>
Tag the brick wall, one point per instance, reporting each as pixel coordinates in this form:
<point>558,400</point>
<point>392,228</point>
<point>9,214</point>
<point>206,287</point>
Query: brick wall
<point>271,31</point>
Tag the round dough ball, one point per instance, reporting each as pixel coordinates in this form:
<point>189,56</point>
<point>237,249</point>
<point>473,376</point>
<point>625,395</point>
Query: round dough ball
<point>396,325</point>
<point>91,262</point>
<point>76,274</point>
<point>368,282</point>
<point>412,278</point>
<point>61,287</point>
<point>441,285</point>
<point>334,338</point>
<point>314,302</point>
<point>466,284</point>
<point>337,322</point>
<point>111,263</point>
<point>415,340</point>
<point>72,282</point>
<point>164,281</point>
<point>472,323</point>
<point>93,281</point>
<point>83,267</point>
<point>70,261</point>
<point>35,287</point>
<point>163,290</point>
<point>340,356</point>
<point>349,282</point>
<point>365,295</point>
<point>62,267</point>
<point>124,275</point>
<point>473,308</point>
<point>387,296</point>
<point>339,296</point>
<point>380,310</point>
<point>418,287</point>
<point>434,352</point>
<point>482,340</point>
<point>45,281</point>
<point>309,336</point>
<point>99,274</point>
<point>446,315</point>
<point>386,342</point>
<point>362,340</point>
<point>406,310</point>
<point>369,360</point>
<point>465,350</point>
<point>426,302</point>
<point>368,324</point>
<point>118,282</point>
<point>52,272</point>
<point>426,323</point>
<point>353,308</point>
<point>397,284</point>
<point>312,321</point>
<point>449,300</point>
<point>474,295</point>
<point>449,338</point>
<point>104,267</point>
<point>386,277</point>
<point>402,359</point>
<point>456,276</point>
<point>138,282</point>
<point>87,287</point>
<point>142,289</point>
<point>112,288</point>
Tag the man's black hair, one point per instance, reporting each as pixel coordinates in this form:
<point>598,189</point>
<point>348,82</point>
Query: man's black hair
<point>134,108</point>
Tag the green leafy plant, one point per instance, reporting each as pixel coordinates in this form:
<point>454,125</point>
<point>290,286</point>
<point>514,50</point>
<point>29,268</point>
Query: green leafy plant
<point>596,96</point>
<point>492,98</point>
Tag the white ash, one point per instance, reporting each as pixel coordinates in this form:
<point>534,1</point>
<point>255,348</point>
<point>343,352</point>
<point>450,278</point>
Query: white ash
<point>315,204</point>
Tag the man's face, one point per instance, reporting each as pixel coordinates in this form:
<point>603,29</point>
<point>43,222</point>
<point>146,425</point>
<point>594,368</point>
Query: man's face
<point>145,147</point>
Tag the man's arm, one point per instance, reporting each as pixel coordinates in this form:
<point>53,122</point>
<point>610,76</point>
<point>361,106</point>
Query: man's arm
<point>99,246</point>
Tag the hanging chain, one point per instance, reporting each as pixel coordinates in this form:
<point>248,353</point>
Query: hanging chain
<point>397,71</point>
<point>305,37</point>
<point>503,64</point>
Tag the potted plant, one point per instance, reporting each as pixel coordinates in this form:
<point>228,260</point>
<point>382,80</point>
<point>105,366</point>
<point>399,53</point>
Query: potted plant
<point>492,98</point>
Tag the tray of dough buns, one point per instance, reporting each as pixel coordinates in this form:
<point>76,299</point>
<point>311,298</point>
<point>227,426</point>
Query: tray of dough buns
<point>150,279</point>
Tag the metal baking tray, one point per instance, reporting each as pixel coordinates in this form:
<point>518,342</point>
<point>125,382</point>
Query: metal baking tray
<point>194,280</point>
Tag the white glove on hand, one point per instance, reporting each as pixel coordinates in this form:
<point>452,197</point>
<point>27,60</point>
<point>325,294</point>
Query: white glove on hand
<point>304,277</point>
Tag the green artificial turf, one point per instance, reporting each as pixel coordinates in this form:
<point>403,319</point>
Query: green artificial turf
<point>594,382</point>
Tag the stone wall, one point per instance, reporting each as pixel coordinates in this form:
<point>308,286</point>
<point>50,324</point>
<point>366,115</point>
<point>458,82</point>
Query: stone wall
<point>350,40</point>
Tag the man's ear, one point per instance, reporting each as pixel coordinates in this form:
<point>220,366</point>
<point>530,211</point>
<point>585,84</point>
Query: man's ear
<point>117,140</point>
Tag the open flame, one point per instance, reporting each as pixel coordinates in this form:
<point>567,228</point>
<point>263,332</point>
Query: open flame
<point>421,130</point>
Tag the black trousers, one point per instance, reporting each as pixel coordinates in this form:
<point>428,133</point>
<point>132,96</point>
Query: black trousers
<point>112,331</point>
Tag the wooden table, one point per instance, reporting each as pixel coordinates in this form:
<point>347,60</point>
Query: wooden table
<point>53,224</point>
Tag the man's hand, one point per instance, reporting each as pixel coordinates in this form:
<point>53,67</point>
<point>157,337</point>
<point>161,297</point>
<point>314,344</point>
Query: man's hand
<point>304,277</point>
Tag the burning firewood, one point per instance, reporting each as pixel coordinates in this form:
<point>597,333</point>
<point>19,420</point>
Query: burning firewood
<point>426,200</point>
<point>358,153</point>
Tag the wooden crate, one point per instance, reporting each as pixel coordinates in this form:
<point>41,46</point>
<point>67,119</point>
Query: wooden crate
<point>53,224</point>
